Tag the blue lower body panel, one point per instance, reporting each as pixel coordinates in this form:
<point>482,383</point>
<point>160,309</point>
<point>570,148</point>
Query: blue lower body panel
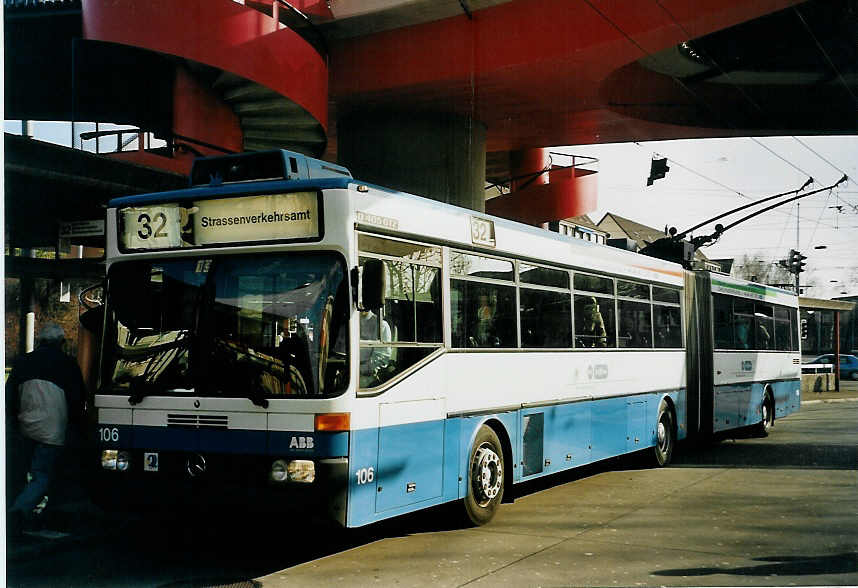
<point>740,405</point>
<point>418,465</point>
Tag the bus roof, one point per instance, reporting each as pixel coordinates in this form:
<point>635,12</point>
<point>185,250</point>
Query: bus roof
<point>237,189</point>
<point>723,284</point>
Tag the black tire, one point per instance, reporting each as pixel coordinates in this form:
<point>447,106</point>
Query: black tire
<point>485,477</point>
<point>665,436</point>
<point>854,375</point>
<point>767,416</point>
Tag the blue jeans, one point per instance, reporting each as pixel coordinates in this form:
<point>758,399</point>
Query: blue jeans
<point>43,465</point>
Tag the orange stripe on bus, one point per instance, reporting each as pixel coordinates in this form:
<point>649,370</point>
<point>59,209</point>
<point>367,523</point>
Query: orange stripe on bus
<point>660,271</point>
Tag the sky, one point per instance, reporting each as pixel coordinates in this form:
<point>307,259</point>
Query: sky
<point>711,176</point>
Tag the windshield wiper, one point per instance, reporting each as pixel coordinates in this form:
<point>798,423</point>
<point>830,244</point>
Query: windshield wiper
<point>140,389</point>
<point>257,396</point>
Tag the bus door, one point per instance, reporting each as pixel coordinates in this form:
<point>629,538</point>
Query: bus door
<point>410,452</point>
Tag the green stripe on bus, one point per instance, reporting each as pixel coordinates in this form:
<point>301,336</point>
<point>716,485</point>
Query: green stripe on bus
<point>747,288</point>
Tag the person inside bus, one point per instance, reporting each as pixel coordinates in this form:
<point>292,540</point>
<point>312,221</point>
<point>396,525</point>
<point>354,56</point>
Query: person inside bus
<point>591,330</point>
<point>374,360</point>
<point>743,331</point>
<point>484,327</point>
<point>294,352</point>
<point>763,337</point>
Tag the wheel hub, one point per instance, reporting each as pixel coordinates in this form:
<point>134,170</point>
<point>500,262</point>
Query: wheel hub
<point>661,433</point>
<point>488,474</point>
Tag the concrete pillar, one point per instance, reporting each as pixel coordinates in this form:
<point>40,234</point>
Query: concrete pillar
<point>436,155</point>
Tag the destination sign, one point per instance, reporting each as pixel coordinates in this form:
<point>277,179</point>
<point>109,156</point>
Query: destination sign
<point>269,217</point>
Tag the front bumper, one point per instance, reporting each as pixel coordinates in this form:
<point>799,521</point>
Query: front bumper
<point>240,483</point>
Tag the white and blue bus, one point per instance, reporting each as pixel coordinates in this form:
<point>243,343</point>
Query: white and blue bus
<point>282,335</point>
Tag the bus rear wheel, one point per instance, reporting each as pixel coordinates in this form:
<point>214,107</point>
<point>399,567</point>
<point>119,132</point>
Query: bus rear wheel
<point>485,477</point>
<point>665,435</point>
<point>767,413</point>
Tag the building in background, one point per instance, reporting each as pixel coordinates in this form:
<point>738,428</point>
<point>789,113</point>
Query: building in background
<point>580,227</point>
<point>849,327</point>
<point>818,318</point>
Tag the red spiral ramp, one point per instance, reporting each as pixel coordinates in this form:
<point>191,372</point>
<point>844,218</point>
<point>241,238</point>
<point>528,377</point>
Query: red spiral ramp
<point>242,80</point>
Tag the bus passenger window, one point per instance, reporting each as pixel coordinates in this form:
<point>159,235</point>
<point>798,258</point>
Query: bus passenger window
<point>411,315</point>
<point>668,327</point>
<point>635,324</point>
<point>427,302</point>
<point>764,326</point>
<point>743,332</point>
<point>374,359</point>
<point>722,308</point>
<point>546,319</point>
<point>594,321</point>
<point>598,284</point>
<point>743,324</point>
<point>483,315</point>
<point>782,329</point>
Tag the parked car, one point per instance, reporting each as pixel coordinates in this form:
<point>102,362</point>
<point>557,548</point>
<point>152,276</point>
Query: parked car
<point>848,365</point>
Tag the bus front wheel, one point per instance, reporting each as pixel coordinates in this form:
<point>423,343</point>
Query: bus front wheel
<point>485,477</point>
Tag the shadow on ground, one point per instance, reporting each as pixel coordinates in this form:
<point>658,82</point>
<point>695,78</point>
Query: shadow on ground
<point>769,453</point>
<point>841,563</point>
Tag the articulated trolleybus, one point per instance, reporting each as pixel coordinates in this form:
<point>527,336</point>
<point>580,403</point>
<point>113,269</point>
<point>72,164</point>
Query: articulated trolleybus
<point>280,334</point>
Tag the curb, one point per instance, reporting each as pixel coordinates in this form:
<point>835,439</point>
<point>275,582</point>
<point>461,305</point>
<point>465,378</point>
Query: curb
<point>828,401</point>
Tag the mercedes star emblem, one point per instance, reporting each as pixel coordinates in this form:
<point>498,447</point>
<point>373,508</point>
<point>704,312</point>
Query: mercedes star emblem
<point>195,465</point>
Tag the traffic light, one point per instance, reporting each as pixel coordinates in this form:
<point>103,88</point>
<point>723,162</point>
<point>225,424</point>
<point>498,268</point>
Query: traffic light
<point>657,170</point>
<point>796,262</point>
<point>803,329</point>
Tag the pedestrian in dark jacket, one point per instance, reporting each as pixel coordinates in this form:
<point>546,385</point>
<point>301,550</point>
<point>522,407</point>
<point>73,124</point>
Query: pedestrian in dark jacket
<point>44,396</point>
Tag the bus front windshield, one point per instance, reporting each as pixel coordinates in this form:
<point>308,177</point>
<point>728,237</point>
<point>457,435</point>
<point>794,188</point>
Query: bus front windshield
<point>231,326</point>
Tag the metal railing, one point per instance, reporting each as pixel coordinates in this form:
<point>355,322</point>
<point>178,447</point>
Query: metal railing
<point>293,19</point>
<point>578,162</point>
<point>173,143</point>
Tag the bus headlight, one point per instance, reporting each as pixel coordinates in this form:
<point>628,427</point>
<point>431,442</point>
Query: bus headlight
<point>301,471</point>
<point>123,461</point>
<point>278,471</point>
<point>108,459</point>
<point>113,459</point>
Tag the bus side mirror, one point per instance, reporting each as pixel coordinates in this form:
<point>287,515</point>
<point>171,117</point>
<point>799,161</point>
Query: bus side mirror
<point>372,285</point>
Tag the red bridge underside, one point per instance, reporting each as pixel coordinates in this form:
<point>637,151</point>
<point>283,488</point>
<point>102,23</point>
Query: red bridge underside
<point>535,71</point>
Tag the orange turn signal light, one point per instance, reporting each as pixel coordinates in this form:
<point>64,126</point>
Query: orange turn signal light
<point>333,421</point>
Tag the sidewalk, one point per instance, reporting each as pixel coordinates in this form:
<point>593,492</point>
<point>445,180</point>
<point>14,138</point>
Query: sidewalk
<point>848,392</point>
